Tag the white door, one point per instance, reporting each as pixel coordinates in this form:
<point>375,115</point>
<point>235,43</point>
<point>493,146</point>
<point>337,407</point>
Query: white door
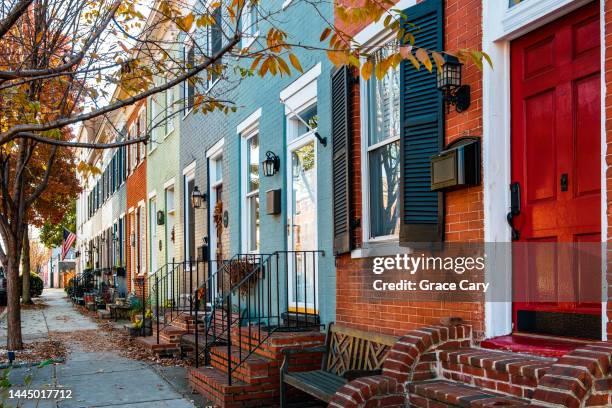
<point>153,242</point>
<point>302,224</point>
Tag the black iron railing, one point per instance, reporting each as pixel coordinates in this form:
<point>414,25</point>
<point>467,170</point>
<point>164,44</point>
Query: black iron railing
<point>171,289</point>
<point>265,293</point>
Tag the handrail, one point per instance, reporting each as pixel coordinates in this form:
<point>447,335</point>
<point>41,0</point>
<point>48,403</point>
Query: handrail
<point>273,292</point>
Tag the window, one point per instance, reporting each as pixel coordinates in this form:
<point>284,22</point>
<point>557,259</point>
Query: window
<point>141,239</point>
<point>169,110</point>
<point>189,218</point>
<point>142,131</point>
<point>382,149</point>
<point>189,85</point>
<point>302,122</point>
<point>134,149</point>
<point>252,193</point>
<point>513,3</point>
<point>152,235</point>
<point>215,42</point>
<point>250,24</point>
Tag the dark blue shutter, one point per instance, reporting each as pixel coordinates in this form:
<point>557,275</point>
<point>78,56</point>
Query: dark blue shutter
<point>422,118</point>
<point>341,148</point>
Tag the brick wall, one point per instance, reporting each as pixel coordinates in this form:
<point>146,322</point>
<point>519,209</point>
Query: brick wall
<point>464,208</point>
<point>136,186</point>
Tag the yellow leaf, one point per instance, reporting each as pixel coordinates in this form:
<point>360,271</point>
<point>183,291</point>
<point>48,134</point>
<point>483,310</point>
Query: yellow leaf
<point>215,5</point>
<point>325,33</point>
<point>295,62</point>
<point>438,58</point>
<point>422,56</point>
<point>379,71</point>
<point>366,70</point>
<point>185,23</point>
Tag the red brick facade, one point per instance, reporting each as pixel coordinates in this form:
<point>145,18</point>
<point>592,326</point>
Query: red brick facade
<point>136,192</point>
<point>464,208</point>
<point>607,78</point>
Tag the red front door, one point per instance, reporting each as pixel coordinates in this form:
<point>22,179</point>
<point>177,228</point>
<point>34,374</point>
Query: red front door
<point>555,84</point>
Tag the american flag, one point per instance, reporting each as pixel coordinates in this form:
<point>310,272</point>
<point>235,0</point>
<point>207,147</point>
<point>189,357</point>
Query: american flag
<point>69,238</point>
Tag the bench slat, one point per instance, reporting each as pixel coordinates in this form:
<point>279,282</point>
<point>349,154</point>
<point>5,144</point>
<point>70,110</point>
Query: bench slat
<point>319,383</point>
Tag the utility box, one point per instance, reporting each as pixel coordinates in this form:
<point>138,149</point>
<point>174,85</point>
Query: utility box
<point>459,165</point>
<point>273,202</point>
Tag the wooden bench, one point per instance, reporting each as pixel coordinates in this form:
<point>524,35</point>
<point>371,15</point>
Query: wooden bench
<point>347,354</point>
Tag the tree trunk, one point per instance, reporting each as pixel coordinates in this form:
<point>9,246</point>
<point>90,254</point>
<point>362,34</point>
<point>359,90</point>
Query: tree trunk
<point>13,341</point>
<point>25,273</point>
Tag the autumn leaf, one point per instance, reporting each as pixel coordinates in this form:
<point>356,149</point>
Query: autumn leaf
<point>366,70</point>
<point>422,56</point>
<point>295,62</point>
<point>438,58</point>
<point>325,34</point>
<point>185,23</point>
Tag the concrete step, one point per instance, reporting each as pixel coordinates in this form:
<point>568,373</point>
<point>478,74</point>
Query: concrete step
<point>162,348</point>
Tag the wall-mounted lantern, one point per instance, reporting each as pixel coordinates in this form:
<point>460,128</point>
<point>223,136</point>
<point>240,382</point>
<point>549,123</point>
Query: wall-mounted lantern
<point>160,217</point>
<point>198,198</point>
<point>449,82</point>
<point>271,164</point>
<point>77,254</point>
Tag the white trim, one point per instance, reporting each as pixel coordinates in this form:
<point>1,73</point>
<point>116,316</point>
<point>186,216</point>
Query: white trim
<point>286,4</point>
<point>169,183</point>
<point>249,122</point>
<point>216,149</point>
<point>152,194</point>
<point>374,31</point>
<point>304,80</point>
<point>141,203</point>
<point>130,210</point>
<point>190,168</point>
<point>531,14</point>
<point>244,227</point>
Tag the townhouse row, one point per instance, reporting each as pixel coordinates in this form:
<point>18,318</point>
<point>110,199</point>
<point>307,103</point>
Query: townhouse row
<point>336,170</point>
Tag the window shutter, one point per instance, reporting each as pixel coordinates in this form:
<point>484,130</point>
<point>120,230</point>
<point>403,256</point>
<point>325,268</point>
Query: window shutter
<point>422,118</point>
<point>341,159</point>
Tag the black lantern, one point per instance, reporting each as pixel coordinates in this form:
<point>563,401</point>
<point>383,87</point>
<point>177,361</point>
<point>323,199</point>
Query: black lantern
<point>197,197</point>
<point>271,164</point>
<point>160,217</point>
<point>449,82</point>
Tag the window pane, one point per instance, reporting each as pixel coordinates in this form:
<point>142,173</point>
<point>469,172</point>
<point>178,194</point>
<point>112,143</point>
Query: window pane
<point>310,117</point>
<point>218,169</point>
<point>253,163</point>
<point>253,232</point>
<point>383,101</point>
<point>384,189</point>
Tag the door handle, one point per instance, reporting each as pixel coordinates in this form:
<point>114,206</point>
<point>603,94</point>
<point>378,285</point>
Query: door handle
<point>515,208</point>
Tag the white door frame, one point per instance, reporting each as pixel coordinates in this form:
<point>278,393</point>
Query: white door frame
<point>502,24</point>
<point>291,146</point>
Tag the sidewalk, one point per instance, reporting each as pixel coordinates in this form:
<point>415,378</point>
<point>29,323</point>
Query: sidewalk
<point>97,379</point>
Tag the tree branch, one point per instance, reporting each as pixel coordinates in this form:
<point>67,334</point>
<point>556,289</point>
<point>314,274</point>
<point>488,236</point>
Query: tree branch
<point>13,16</point>
<point>66,143</point>
<point>56,124</point>
<point>29,73</point>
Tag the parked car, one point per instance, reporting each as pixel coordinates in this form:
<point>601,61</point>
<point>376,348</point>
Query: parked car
<point>2,287</point>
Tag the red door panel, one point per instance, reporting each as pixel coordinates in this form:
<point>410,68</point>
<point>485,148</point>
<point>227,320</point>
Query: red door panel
<point>556,158</point>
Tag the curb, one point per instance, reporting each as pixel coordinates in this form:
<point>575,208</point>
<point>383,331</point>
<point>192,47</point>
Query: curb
<point>33,364</point>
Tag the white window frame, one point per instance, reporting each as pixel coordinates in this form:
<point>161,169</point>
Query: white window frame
<point>188,175</point>
<point>247,134</point>
<point>153,260</point>
<point>377,41</point>
<point>213,154</point>
<point>187,46</point>
<point>250,37</point>
<point>169,95</point>
<point>142,128</point>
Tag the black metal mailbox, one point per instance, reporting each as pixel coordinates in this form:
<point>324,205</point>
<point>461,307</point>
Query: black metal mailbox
<point>457,166</point>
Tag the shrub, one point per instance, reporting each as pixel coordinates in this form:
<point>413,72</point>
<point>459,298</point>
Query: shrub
<point>36,285</point>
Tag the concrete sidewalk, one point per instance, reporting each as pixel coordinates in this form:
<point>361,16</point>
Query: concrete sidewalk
<point>99,379</point>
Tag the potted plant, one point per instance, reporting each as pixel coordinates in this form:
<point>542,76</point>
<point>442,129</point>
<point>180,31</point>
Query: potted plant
<point>136,328</point>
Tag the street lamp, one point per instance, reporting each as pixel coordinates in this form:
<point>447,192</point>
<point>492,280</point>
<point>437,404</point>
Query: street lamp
<point>197,197</point>
<point>449,83</point>
<point>271,164</point>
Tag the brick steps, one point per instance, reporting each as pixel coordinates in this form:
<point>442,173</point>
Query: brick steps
<point>498,371</point>
<point>253,370</point>
<point>442,393</point>
<point>163,348</point>
<point>213,384</point>
<point>273,345</point>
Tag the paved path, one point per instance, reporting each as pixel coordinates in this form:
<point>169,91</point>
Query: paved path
<point>100,379</point>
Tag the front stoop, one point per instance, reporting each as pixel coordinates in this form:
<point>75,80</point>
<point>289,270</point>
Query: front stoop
<point>255,383</point>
